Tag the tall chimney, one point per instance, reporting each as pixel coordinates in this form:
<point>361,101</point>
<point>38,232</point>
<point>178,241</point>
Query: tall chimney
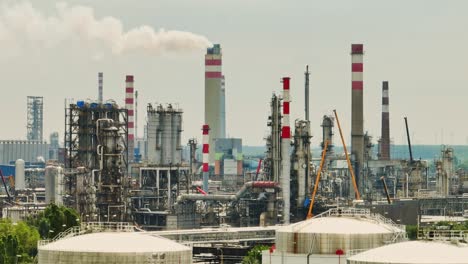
<point>131,122</point>
<point>357,114</point>
<point>206,153</point>
<point>285,146</point>
<point>100,80</point>
<point>307,74</point>
<point>385,138</point>
<point>214,96</point>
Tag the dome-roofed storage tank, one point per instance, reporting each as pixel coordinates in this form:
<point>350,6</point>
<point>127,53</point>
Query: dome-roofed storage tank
<point>338,229</point>
<point>414,252</point>
<point>114,247</point>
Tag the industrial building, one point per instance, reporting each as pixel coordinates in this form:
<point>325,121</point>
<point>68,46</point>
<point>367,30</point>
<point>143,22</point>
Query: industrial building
<point>164,128</point>
<point>35,118</point>
<point>96,139</point>
<point>28,150</point>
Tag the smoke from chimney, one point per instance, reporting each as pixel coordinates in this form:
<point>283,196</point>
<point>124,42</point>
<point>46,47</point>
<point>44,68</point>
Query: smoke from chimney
<point>22,24</point>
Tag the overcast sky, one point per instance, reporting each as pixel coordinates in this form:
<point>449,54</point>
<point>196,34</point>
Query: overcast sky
<point>419,46</point>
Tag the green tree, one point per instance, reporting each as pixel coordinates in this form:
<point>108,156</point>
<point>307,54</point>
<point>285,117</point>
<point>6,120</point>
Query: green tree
<point>412,232</point>
<point>254,256</point>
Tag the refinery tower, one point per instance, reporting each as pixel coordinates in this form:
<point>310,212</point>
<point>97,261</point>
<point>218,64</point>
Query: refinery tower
<point>214,97</point>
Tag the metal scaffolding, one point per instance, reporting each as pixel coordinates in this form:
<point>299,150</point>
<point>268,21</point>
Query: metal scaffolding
<point>35,117</point>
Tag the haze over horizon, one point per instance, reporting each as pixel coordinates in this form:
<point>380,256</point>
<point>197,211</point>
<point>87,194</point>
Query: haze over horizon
<point>418,46</point>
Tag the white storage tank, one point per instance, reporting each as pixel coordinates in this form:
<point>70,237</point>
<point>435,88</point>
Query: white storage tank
<point>54,185</point>
<point>20,183</point>
<point>116,248</point>
<point>414,252</point>
<point>338,229</point>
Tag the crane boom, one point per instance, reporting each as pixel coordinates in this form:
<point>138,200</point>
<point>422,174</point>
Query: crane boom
<point>386,189</point>
<point>350,166</point>
<point>317,180</point>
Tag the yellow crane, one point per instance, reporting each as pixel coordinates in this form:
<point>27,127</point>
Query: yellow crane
<point>317,180</point>
<point>350,166</point>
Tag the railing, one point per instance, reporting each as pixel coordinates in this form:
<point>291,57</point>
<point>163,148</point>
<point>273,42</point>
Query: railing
<point>353,252</point>
<point>360,212</point>
<point>70,232</point>
<point>443,235</point>
<point>108,226</point>
<point>89,227</point>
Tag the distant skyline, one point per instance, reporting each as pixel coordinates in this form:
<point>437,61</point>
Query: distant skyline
<point>418,46</point>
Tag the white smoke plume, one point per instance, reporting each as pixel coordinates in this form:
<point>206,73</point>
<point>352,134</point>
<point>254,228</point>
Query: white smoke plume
<point>22,24</point>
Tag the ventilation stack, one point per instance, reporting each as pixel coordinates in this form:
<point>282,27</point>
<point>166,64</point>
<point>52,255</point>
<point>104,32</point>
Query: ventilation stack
<point>285,146</point>
<point>385,138</point>
<point>100,83</point>
<point>131,123</point>
<point>206,153</point>
<point>357,113</point>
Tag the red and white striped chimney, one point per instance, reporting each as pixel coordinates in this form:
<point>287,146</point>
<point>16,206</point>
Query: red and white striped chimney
<point>357,111</point>
<point>385,138</point>
<point>206,156</point>
<point>131,123</point>
<point>285,146</point>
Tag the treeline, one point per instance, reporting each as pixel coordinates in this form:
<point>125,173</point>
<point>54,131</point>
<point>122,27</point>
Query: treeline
<point>18,241</point>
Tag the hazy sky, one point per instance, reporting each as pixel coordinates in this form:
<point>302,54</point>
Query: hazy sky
<point>419,46</point>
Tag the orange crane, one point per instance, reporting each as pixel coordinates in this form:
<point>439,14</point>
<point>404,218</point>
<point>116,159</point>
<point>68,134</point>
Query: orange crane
<point>317,180</point>
<point>350,166</point>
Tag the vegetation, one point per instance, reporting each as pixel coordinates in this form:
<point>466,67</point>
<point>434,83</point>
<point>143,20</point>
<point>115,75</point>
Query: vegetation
<point>18,242</point>
<point>412,232</point>
<point>53,220</point>
<point>254,256</point>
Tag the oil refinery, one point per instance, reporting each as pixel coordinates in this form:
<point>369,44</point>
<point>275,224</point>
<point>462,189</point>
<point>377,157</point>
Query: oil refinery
<point>171,196</point>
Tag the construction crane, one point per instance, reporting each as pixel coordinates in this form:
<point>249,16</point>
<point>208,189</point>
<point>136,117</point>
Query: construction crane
<point>350,166</point>
<point>317,181</point>
<point>4,185</point>
<point>259,166</point>
<point>386,189</point>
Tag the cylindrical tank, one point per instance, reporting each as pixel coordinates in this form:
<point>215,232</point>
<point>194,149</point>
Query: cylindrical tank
<point>20,183</point>
<point>325,235</point>
<point>117,248</point>
<point>54,185</point>
<point>414,252</point>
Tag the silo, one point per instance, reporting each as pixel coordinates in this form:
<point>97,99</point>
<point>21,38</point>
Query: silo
<point>344,229</point>
<point>117,248</point>
<point>414,252</point>
<point>54,185</point>
<point>20,183</point>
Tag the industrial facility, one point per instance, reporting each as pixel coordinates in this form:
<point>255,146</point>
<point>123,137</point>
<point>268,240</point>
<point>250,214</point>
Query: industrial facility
<point>157,199</point>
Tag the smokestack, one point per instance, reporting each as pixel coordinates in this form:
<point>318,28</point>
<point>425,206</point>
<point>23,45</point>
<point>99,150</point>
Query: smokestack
<point>385,138</point>
<point>206,153</point>
<point>100,80</point>
<point>131,123</point>
<point>136,114</point>
<point>307,73</point>
<point>357,114</point>
<point>214,96</point>
<point>285,145</point>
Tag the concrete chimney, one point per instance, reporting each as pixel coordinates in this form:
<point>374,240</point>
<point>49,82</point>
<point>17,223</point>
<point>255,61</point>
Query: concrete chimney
<point>100,81</point>
<point>357,113</point>
<point>385,137</point>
